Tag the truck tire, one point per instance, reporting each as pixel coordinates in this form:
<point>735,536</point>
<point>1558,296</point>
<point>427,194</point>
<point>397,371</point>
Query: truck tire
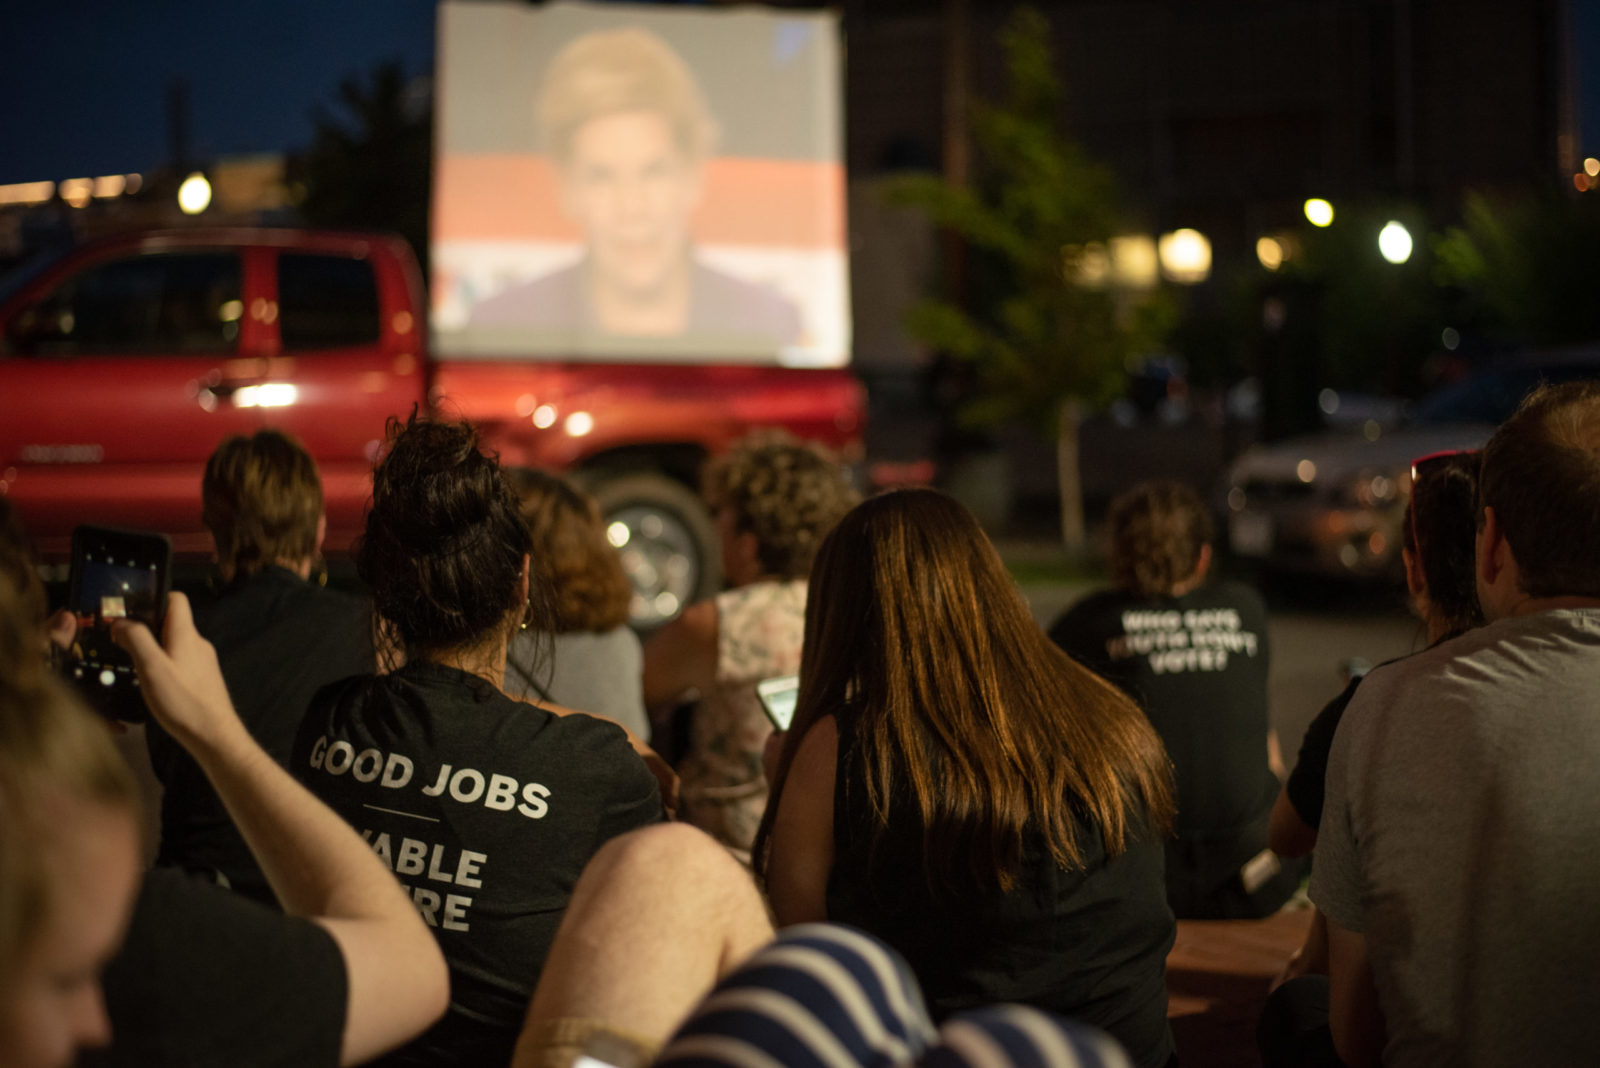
<point>670,549</point>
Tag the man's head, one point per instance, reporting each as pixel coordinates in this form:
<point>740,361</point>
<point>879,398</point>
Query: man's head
<point>1539,497</point>
<point>1160,538</point>
<point>261,500</point>
<point>626,125</point>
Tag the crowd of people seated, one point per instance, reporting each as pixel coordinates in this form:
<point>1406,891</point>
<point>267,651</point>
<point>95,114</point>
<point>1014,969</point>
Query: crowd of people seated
<point>392,833</point>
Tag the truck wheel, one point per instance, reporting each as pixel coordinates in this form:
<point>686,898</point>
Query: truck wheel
<point>667,541</point>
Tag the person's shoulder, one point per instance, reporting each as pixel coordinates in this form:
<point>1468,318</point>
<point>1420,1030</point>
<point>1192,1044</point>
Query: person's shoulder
<point>550,299</point>
<point>1235,594</point>
<point>1097,609</point>
<point>737,305</point>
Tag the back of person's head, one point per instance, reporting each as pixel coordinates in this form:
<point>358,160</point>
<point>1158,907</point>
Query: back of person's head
<point>609,72</point>
<point>1541,475</point>
<point>961,704</point>
<point>444,540</point>
<point>261,499</point>
<point>571,556</point>
<point>61,909</point>
<point>1440,532</point>
<point>788,493</point>
<point>1158,529</point>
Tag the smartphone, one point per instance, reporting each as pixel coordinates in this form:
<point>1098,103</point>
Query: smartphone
<point>116,574</point>
<point>777,696</point>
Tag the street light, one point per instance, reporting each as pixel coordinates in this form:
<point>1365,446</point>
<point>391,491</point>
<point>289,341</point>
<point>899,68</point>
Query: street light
<point>1185,256</point>
<point>1318,212</point>
<point>194,195</point>
<point>1394,241</point>
<point>1269,250</point>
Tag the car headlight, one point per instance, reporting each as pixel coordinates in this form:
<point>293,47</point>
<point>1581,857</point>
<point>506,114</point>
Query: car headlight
<point>1372,489</point>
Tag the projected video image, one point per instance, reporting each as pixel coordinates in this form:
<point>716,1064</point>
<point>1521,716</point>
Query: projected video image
<point>630,183</point>
<point>112,589</point>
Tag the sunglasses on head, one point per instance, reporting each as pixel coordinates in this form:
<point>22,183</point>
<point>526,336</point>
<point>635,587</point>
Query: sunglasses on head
<point>1421,466</point>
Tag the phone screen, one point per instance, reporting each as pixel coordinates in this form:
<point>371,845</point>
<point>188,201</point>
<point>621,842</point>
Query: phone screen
<point>116,574</point>
<point>778,696</point>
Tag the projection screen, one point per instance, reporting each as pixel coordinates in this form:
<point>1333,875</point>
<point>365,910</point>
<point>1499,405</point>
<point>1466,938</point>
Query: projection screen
<point>632,183</point>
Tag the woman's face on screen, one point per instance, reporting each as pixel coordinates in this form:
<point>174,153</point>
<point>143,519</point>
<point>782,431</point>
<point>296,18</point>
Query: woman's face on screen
<point>52,1005</point>
<point>632,188</point>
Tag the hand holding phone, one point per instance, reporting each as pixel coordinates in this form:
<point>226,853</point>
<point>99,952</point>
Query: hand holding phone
<point>180,677</point>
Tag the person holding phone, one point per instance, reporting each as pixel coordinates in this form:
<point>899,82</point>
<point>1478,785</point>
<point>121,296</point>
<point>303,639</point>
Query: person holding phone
<point>774,498</point>
<point>195,975</point>
<point>959,787</point>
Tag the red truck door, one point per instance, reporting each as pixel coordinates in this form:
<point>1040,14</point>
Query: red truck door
<point>347,357</point>
<point>118,377</point>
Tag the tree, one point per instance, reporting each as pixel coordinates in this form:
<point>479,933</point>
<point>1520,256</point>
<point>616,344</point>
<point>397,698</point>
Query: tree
<point>370,161</point>
<point>1526,268</point>
<point>1046,341</point>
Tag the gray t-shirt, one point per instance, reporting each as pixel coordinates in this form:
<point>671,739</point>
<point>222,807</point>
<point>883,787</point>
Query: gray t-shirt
<point>1461,834</point>
<point>585,670</point>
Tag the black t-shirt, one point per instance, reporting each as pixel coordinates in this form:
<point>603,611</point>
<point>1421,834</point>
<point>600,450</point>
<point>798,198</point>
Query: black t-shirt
<point>279,640</point>
<point>487,809</point>
<point>1197,665</point>
<point>1307,780</point>
<point>207,978</point>
<point>1091,944</point>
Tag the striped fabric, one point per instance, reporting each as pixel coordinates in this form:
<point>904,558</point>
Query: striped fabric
<point>827,996</point>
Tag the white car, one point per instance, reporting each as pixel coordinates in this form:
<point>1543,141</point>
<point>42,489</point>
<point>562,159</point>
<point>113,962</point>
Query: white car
<point>1332,503</point>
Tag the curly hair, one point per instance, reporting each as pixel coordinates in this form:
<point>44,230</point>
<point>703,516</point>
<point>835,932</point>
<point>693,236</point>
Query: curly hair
<point>787,492</point>
<point>570,552</point>
<point>444,540</point>
<point>1157,531</point>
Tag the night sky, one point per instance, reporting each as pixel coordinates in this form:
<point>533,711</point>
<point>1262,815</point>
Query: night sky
<point>84,85</point>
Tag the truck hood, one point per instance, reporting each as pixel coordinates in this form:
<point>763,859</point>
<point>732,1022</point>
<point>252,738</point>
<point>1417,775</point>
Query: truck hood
<point>1340,457</point>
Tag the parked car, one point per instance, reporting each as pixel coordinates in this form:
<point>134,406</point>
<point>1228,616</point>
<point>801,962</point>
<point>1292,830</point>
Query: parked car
<point>124,362</point>
<point>1332,503</point>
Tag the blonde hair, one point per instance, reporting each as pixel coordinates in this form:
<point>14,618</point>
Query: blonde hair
<point>49,741</point>
<point>611,71</point>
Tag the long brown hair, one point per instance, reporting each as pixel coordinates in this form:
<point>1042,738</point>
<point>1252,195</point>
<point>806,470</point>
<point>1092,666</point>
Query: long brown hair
<point>960,704</point>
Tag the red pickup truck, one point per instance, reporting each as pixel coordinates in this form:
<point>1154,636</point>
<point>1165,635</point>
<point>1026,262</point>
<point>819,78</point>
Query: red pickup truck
<point>125,362</point>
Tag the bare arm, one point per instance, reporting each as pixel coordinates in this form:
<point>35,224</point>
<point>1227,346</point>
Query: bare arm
<point>802,833</point>
<point>680,657</point>
<point>1354,1017</point>
<point>317,865</point>
<point>1275,755</point>
<point>1287,833</point>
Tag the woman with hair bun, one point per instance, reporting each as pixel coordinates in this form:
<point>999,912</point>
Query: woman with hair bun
<point>485,806</point>
<point>1193,655</point>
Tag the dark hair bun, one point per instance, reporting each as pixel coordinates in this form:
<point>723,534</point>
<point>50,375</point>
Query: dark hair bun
<point>444,541</point>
